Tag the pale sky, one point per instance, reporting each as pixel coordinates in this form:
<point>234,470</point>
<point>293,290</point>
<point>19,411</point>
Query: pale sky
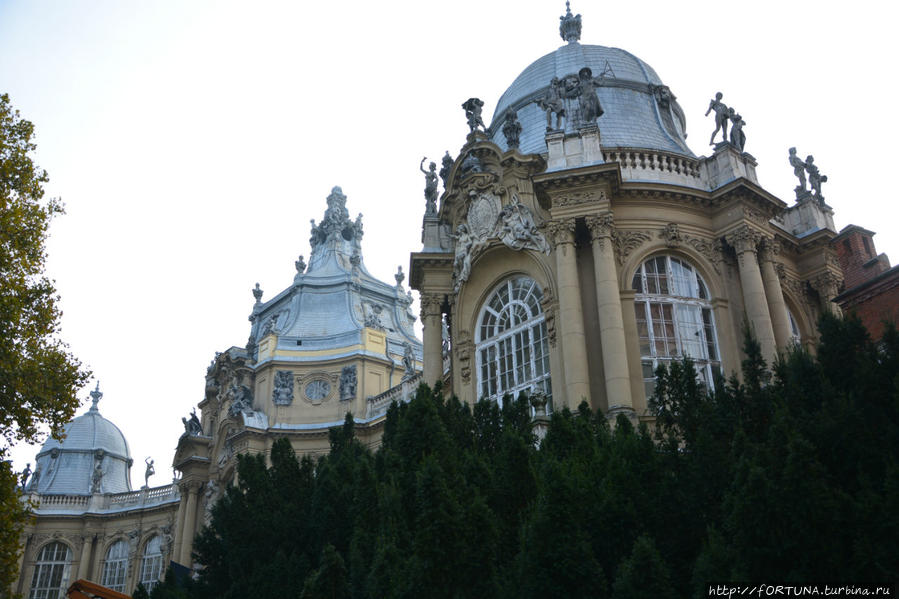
<point>192,141</point>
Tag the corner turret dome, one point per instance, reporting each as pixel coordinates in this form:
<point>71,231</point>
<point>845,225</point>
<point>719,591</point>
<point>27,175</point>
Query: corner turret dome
<point>640,112</point>
<point>92,457</point>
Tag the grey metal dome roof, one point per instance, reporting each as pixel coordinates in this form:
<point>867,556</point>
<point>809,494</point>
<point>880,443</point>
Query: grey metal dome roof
<point>93,455</point>
<point>633,118</point>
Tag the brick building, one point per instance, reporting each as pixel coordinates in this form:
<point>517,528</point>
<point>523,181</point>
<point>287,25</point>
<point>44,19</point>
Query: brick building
<point>870,286</point>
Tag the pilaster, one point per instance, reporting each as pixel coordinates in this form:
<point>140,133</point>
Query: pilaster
<point>777,307</point>
<point>745,241</point>
<point>611,322</point>
<point>571,315</point>
<point>432,330</point>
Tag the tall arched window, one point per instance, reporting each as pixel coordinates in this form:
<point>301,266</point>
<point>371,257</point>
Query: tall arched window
<point>51,572</point>
<point>511,345</point>
<point>151,563</point>
<point>116,566</point>
<point>674,318</point>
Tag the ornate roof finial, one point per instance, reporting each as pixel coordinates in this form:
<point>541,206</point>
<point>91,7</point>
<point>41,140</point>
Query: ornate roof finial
<point>257,293</point>
<point>570,26</point>
<point>96,396</point>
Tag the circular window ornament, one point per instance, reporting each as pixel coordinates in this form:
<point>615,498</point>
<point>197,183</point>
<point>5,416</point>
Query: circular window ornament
<point>317,390</point>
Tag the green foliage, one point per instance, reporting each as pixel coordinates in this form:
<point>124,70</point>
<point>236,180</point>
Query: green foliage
<point>789,473</point>
<point>39,378</point>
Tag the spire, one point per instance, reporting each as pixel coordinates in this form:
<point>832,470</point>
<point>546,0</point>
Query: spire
<point>570,25</point>
<point>96,396</point>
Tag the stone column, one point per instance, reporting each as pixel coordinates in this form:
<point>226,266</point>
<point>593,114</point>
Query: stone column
<point>179,527</point>
<point>611,322</point>
<point>190,523</point>
<point>571,314</point>
<point>827,284</point>
<point>432,332</point>
<point>745,241</point>
<point>777,307</point>
<point>84,565</point>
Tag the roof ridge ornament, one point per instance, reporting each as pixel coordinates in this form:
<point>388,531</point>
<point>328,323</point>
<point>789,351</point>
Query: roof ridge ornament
<point>570,25</point>
<point>96,396</point>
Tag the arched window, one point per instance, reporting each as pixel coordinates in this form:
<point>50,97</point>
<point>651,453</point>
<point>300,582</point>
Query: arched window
<point>674,318</point>
<point>795,334</point>
<point>116,566</point>
<point>511,345</point>
<point>151,563</point>
<point>51,572</point>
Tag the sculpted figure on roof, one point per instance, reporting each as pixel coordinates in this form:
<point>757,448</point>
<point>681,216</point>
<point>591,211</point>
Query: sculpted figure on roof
<point>721,116</point>
<point>553,103</point>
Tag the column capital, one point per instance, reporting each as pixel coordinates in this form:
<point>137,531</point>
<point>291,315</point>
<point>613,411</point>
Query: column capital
<point>561,231</point>
<point>189,487</point>
<point>744,239</point>
<point>770,250</point>
<point>827,284</point>
<point>601,226</point>
<point>430,304</point>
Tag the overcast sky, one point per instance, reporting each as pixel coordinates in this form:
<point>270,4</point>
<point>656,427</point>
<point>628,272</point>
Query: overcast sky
<point>193,141</point>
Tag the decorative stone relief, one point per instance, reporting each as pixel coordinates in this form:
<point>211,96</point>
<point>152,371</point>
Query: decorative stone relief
<point>373,315</point>
<point>241,396</point>
<point>711,249</point>
<point>672,236</point>
<point>282,394</point>
<point>548,305</point>
<point>744,239</point>
<point>517,228</point>
<point>348,383</point>
<point>601,227</point>
<point>483,210</point>
<point>463,347</point>
<point>317,390</point>
<point>512,130</point>
<point>827,284</point>
<point>627,241</point>
<point>577,198</point>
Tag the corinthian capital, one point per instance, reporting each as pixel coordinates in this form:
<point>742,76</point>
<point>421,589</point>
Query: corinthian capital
<point>601,227</point>
<point>744,239</point>
<point>430,305</point>
<point>827,284</point>
<point>561,231</point>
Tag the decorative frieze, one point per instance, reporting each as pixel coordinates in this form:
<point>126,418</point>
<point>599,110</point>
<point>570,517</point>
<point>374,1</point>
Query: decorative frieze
<point>548,305</point>
<point>463,348</point>
<point>577,198</point>
<point>627,241</point>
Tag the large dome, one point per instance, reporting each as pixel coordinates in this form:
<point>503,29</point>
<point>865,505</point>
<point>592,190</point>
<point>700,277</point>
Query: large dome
<point>639,111</point>
<point>92,457</point>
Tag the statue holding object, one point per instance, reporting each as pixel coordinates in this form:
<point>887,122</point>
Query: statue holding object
<point>721,117</point>
<point>430,187</point>
<point>553,103</point>
<point>473,107</point>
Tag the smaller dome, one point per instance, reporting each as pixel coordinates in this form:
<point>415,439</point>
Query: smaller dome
<point>92,457</point>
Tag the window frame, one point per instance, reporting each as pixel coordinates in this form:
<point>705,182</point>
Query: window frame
<point>685,294</point>
<point>151,564</point>
<point>511,341</point>
<point>115,568</point>
<point>48,568</point>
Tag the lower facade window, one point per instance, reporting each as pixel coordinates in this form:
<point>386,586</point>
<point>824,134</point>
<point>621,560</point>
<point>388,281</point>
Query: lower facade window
<point>674,319</point>
<point>151,563</point>
<point>51,572</point>
<point>115,567</point>
<point>511,342</point>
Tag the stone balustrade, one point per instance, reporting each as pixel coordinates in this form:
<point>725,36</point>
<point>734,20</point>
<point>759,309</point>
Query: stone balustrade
<point>378,404</point>
<point>651,165</point>
<point>144,497</point>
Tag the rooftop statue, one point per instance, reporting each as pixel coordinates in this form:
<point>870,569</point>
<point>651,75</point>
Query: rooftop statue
<point>815,178</point>
<point>257,293</point>
<point>300,264</point>
<point>430,187</point>
<point>511,130</point>
<point>570,25</point>
<point>25,474</point>
<point>721,116</point>
<point>473,107</point>
<point>192,427</point>
<point>446,166</point>
<point>798,170</point>
<point>408,361</point>
<point>553,103</point>
<point>737,137</point>
<point>150,471</point>
<point>589,102</point>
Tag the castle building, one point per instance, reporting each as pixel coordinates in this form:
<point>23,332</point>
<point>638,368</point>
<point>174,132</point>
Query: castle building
<point>579,242</point>
<point>337,341</point>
